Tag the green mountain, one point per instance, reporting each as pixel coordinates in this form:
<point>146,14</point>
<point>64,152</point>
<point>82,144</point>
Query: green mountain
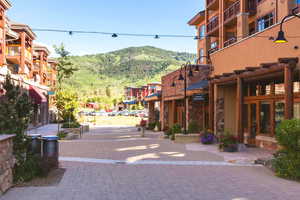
<point>109,73</point>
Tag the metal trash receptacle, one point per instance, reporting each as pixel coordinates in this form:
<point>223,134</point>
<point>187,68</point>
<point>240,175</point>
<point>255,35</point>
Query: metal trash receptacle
<point>36,144</point>
<point>50,150</point>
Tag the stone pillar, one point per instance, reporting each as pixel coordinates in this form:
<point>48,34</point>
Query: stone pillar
<point>6,162</point>
<point>151,112</point>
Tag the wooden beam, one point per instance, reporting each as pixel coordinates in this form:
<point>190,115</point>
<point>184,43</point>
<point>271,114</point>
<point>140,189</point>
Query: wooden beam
<point>288,95</point>
<point>211,106</point>
<point>239,110</point>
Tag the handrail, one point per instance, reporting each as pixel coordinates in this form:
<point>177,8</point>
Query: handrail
<point>232,11</point>
<point>230,41</point>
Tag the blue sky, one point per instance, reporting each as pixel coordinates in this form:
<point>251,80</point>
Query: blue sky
<point>133,16</point>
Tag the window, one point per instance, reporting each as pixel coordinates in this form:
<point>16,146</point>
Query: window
<point>214,45</point>
<point>297,110</point>
<point>265,22</point>
<point>279,112</point>
<point>265,117</point>
<point>201,54</point>
<point>202,31</point>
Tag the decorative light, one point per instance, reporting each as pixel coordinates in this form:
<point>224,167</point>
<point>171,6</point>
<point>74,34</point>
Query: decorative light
<point>156,37</point>
<point>181,78</point>
<point>114,35</point>
<point>281,38</point>
<point>173,84</point>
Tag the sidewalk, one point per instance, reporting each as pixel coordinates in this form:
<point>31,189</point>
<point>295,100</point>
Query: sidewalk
<point>249,156</point>
<point>49,129</point>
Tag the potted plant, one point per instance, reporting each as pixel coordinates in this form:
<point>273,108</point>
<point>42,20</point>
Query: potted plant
<point>176,128</point>
<point>228,143</point>
<point>207,137</point>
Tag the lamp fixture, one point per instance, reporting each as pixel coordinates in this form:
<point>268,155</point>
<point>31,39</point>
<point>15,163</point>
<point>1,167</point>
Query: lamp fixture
<point>114,35</point>
<point>281,37</point>
<point>156,37</point>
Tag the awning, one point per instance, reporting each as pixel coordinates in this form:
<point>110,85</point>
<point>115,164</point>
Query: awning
<point>198,86</point>
<point>158,94</point>
<point>37,95</point>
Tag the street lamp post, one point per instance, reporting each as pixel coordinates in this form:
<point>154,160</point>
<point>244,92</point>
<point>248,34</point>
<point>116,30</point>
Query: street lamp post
<point>281,38</point>
<point>184,78</point>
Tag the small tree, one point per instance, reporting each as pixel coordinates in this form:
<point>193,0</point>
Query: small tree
<point>67,103</point>
<point>16,112</point>
<point>65,70</point>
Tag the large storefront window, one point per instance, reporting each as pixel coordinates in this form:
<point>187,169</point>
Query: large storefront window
<point>279,112</point>
<point>265,120</point>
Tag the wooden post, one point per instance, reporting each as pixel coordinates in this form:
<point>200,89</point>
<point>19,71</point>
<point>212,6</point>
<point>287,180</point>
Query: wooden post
<point>288,95</point>
<point>151,111</point>
<point>172,113</point>
<point>239,110</point>
<point>162,114</point>
<point>22,56</point>
<point>211,106</point>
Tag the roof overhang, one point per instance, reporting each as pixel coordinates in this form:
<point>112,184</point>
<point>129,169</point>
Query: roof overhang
<point>197,19</point>
<point>23,27</point>
<point>37,47</point>
<point>52,60</point>
<point>5,4</point>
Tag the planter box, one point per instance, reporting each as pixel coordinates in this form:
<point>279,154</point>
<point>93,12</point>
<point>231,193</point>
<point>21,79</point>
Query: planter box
<point>72,130</point>
<point>187,138</point>
<point>85,128</point>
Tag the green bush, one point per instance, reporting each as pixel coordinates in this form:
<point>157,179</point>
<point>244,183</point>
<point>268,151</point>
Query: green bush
<point>62,135</point>
<point>151,126</point>
<point>193,127</point>
<point>70,125</point>
<point>176,128</point>
<point>158,124</point>
<point>287,160</point>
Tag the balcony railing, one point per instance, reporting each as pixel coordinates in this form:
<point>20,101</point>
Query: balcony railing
<point>213,50</point>
<point>230,41</point>
<point>252,7</point>
<point>213,24</point>
<point>28,54</point>
<point>210,2</point>
<point>232,11</point>
<point>13,51</point>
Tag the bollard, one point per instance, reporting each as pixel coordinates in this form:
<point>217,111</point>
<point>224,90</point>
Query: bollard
<point>50,152</point>
<point>36,144</point>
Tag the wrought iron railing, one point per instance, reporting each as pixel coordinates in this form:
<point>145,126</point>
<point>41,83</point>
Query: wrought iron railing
<point>212,50</point>
<point>213,24</point>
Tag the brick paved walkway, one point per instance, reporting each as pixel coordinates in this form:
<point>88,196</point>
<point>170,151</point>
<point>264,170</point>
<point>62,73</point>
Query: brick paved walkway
<point>97,181</point>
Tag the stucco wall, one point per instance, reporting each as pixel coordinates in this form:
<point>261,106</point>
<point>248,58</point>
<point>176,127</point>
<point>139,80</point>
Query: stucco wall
<point>258,49</point>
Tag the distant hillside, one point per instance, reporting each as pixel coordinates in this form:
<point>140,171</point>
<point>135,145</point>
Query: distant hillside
<point>134,66</point>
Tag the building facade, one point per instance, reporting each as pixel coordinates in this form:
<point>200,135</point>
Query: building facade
<point>254,83</point>
<point>26,63</point>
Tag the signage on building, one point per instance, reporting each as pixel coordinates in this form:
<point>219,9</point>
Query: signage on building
<point>198,97</point>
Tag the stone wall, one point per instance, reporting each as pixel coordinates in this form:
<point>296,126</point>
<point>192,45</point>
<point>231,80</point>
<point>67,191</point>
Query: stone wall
<point>6,162</point>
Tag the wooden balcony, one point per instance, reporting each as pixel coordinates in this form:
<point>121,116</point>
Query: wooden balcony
<point>232,11</point>
<point>213,50</point>
<point>230,41</point>
<point>252,7</point>
<point>212,4</point>
<point>13,50</point>
<point>212,25</point>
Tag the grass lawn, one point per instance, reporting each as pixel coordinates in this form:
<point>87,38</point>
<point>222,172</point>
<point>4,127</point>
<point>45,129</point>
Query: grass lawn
<point>117,120</point>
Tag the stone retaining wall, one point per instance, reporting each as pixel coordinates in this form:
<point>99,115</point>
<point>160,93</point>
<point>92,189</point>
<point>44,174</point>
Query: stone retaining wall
<point>6,162</point>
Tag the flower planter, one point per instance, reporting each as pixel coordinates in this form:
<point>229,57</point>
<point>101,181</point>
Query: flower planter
<point>232,148</point>
<point>187,138</point>
<point>207,139</point>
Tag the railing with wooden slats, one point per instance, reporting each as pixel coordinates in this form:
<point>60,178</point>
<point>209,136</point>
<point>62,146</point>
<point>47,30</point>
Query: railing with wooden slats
<point>230,41</point>
<point>210,2</point>
<point>232,11</point>
<point>213,24</point>
<point>252,7</point>
<point>13,51</point>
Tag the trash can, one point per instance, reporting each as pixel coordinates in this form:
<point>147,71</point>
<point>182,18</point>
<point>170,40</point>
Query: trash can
<point>50,151</point>
<point>36,144</point>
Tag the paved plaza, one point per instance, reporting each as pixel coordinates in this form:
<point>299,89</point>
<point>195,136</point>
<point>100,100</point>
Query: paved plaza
<point>115,163</point>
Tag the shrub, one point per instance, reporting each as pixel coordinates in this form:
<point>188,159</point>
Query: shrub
<point>193,127</point>
<point>287,160</point>
<point>207,137</point>
<point>158,124</point>
<point>176,128</point>
<point>71,125</point>
<point>151,126</point>
<point>62,135</point>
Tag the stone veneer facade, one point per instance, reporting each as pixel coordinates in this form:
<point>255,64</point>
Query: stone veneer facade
<point>6,162</point>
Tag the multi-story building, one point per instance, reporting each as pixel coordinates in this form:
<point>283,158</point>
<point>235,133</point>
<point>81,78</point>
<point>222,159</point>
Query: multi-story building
<point>250,70</point>
<point>27,64</point>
